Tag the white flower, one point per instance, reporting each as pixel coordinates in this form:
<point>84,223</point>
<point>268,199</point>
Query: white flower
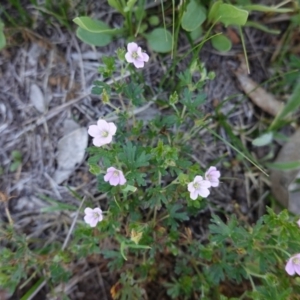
<point>114,177</point>
<point>93,216</point>
<point>135,55</point>
<point>212,175</point>
<point>199,187</point>
<point>102,132</point>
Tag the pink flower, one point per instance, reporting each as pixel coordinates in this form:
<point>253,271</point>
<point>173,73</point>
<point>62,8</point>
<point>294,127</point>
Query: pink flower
<point>135,55</point>
<point>293,265</point>
<point>199,187</point>
<point>93,216</point>
<point>114,177</point>
<point>102,132</point>
<point>212,175</point>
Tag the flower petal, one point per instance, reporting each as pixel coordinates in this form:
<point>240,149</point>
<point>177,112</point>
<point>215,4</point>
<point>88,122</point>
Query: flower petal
<point>93,222</point>
<point>129,57</point>
<point>103,125</point>
<point>138,64</point>
<point>297,269</point>
<point>98,141</point>
<point>112,128</point>
<point>205,184</point>
<point>108,176</point>
<point>98,210</point>
<point>107,139</point>
<point>87,219</point>
<point>198,178</point>
<point>132,47</point>
<point>194,195</point>
<point>210,169</point>
<point>289,268</point>
<point>145,56</point>
<point>94,130</point>
<point>122,179</point>
<point>88,211</point>
<point>214,182</point>
<point>203,192</point>
<point>191,187</point>
<point>114,180</point>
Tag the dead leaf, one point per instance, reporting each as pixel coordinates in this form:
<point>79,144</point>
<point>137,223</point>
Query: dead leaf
<point>71,150</point>
<point>233,36</point>
<point>37,98</point>
<point>260,97</point>
<point>283,182</point>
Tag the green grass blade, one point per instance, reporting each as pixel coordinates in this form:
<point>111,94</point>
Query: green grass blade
<point>238,151</point>
<point>293,102</point>
<point>34,289</point>
<point>244,48</point>
<point>284,166</point>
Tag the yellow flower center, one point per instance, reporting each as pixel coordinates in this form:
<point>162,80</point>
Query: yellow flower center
<point>104,133</point>
<point>116,174</point>
<point>96,215</point>
<point>134,55</point>
<point>196,185</point>
<point>296,261</point>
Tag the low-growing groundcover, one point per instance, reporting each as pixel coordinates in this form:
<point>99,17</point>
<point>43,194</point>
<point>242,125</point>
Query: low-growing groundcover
<point>153,187</point>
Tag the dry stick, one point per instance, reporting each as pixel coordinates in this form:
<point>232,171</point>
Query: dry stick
<point>52,113</point>
<point>101,283</point>
<point>73,225</point>
<point>71,283</point>
<point>62,248</point>
<point>83,81</point>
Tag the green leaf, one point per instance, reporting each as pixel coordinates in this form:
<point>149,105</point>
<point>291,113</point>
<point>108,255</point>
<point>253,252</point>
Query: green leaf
<point>190,102</point>
<point>33,289</point>
<point>196,33</point>
<point>160,40</point>
<point>228,14</point>
<point>293,103</point>
<point>262,27</point>
<point>117,5</point>
<point>213,11</point>
<point>134,92</point>
<point>181,216</point>
<point>14,166</point>
<point>58,273</point>
<point>122,248</point>
<point>129,188</point>
<point>94,169</point>
<point>221,43</point>
<point>129,6</point>
<point>290,165</point>
<point>194,16</point>
<point>2,36</point>
<point>94,26</point>
<point>99,86</point>
<point>153,20</point>
<point>265,8</point>
<point>109,66</point>
<point>94,39</point>
<point>263,140</point>
<point>57,206</point>
<point>16,155</point>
